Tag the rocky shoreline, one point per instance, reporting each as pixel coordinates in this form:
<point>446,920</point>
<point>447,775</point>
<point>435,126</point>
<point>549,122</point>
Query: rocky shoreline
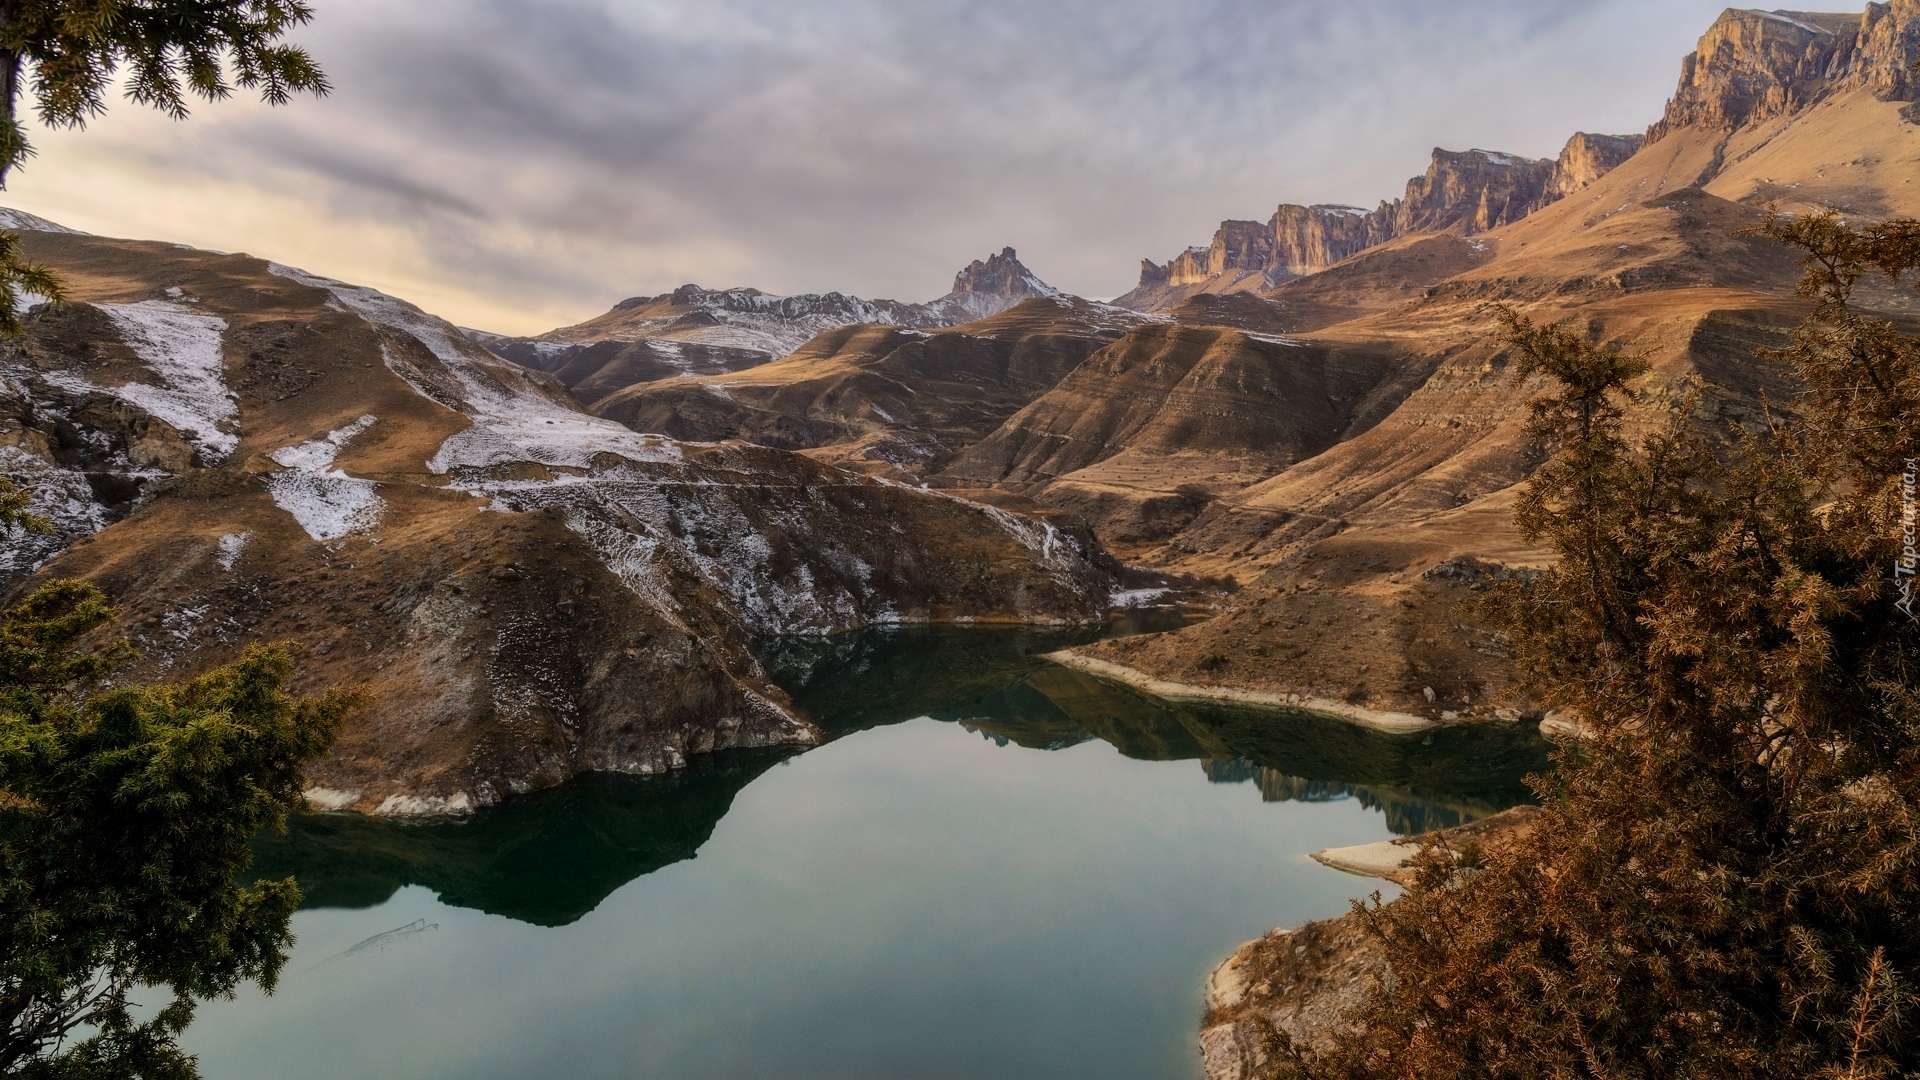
<point>1302,981</point>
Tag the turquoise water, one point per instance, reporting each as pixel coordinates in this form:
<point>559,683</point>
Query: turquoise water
<point>997,868</point>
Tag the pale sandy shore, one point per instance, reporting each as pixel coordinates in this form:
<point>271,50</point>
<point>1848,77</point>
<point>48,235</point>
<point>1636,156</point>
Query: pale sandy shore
<point>1385,859</point>
<point>1394,722</point>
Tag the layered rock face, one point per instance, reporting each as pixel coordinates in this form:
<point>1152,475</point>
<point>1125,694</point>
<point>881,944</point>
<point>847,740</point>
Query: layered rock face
<point>1464,192</point>
<point>1586,159</point>
<point>696,331</point>
<point>1475,191</point>
<point>1753,66</point>
<point>1251,255</point>
<point>239,452</point>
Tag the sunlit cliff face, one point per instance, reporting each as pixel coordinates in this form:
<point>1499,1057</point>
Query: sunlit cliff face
<point>519,164</point>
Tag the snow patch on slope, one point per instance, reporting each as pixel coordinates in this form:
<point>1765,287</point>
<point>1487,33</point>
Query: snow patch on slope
<point>317,455</point>
<point>61,496</point>
<point>1782,17</point>
<point>231,545</point>
<point>326,502</point>
<point>1498,158</point>
<point>184,350</point>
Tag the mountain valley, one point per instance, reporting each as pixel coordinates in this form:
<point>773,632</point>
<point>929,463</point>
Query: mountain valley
<point>238,451</point>
<point>514,540</point>
<point>1320,410</point>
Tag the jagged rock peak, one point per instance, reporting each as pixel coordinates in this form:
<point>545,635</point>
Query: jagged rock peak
<point>1001,275</point>
<point>982,290</point>
<point>1753,65</point>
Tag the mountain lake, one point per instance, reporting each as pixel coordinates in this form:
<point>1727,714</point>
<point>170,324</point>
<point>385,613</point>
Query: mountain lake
<point>995,869</point>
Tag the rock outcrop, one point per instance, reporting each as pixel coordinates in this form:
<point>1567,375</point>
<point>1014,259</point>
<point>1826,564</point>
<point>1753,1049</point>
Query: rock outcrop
<point>240,452</point>
<point>1253,255</point>
<point>1586,159</point>
<point>982,290</point>
<point>1753,66</point>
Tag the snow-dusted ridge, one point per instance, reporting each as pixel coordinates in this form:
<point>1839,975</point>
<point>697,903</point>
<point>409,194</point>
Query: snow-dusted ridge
<point>515,418</point>
<point>748,321</point>
<point>24,222</point>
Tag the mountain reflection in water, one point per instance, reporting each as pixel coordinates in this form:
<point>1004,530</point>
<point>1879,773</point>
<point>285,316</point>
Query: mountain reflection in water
<point>552,857</point>
<point>997,683</point>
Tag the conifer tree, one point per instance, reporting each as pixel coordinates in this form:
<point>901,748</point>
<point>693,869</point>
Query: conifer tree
<point>1725,880</point>
<point>170,51</point>
<point>126,816</point>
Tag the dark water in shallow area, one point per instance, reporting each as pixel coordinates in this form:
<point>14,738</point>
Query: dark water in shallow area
<point>996,868</point>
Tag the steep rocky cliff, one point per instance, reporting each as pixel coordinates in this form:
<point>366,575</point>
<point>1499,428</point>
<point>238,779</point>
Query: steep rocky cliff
<point>1586,159</point>
<point>239,452</point>
<point>1753,66</point>
<point>1253,255</point>
<point>1464,192</point>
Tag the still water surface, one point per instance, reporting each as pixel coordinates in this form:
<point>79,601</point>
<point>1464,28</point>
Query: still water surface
<point>997,869</point>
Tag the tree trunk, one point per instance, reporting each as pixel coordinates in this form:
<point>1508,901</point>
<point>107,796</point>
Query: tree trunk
<point>13,141</point>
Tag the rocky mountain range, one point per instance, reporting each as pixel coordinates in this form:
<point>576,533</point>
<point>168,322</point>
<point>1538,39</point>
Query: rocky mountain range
<point>1357,560</point>
<point>696,331</point>
<point>1751,67</point>
<point>1464,192</point>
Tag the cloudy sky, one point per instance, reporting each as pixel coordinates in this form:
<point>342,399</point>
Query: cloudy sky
<point>521,164</point>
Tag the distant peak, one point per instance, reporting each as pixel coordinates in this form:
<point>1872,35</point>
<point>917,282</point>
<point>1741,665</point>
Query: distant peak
<point>1000,275</point>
